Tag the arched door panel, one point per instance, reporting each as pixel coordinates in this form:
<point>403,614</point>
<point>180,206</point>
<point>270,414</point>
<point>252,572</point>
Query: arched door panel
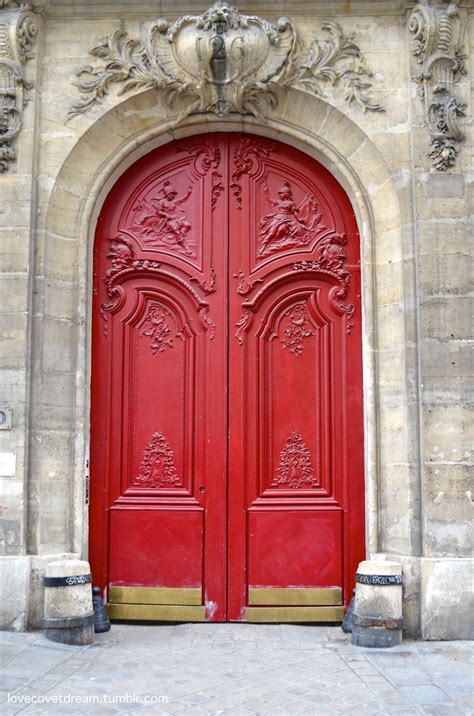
<point>227,459</point>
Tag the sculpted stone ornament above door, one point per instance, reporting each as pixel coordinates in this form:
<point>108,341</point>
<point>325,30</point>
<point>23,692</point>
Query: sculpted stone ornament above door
<point>437,30</point>
<point>224,61</point>
<point>18,30</point>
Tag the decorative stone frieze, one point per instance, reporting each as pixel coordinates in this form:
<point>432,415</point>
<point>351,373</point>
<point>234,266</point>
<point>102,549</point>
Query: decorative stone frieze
<point>223,61</point>
<point>437,46</point>
<point>18,30</point>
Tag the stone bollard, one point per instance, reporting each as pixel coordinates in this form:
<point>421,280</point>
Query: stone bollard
<point>377,620</point>
<point>68,614</point>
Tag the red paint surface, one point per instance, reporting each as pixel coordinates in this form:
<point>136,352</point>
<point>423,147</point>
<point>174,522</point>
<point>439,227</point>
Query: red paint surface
<point>226,422</point>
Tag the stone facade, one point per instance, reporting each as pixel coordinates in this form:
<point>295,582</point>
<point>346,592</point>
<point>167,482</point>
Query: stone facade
<point>408,173</point>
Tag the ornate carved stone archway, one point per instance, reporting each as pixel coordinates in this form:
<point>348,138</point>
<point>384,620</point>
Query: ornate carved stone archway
<point>136,126</point>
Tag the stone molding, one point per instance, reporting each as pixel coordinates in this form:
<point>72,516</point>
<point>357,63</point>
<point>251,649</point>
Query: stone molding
<point>437,46</point>
<point>223,62</point>
<point>18,30</point>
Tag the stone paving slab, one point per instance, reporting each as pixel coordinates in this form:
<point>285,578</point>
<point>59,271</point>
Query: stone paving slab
<point>239,669</point>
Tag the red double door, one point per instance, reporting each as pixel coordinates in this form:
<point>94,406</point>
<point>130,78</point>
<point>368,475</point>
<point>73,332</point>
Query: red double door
<point>226,421</point>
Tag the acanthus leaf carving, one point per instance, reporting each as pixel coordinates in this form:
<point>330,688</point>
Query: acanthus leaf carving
<point>241,325</point>
<point>297,329</point>
<point>207,156</point>
<point>290,225</point>
<point>331,260</point>
<point>208,286</point>
<point>295,469</point>
<point>244,287</point>
<point>156,326</point>
<point>157,469</point>
<point>248,155</point>
<point>208,322</point>
<point>18,30</point>
<point>216,189</point>
<point>438,47</point>
<point>125,264</point>
<point>224,61</point>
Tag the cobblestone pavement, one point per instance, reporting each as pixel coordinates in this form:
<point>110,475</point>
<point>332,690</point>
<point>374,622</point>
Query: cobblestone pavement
<point>232,669</point>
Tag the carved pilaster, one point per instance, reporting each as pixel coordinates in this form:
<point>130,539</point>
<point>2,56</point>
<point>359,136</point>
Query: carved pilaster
<point>437,46</point>
<point>18,30</point>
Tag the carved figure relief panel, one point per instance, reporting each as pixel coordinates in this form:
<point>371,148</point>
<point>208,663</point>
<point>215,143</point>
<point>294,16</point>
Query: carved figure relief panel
<point>165,212</point>
<point>290,224</point>
<point>160,220</point>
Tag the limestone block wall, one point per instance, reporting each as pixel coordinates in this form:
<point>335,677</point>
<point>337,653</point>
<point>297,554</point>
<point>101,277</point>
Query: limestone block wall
<point>416,229</point>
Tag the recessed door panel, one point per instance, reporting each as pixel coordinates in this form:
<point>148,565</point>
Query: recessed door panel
<point>290,548</point>
<point>156,548</point>
<point>226,419</point>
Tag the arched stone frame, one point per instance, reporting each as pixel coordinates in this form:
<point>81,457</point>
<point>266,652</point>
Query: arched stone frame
<point>139,124</point>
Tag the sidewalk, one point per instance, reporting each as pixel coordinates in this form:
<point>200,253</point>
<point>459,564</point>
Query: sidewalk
<point>232,669</point>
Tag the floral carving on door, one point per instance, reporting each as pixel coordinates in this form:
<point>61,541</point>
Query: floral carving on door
<point>295,469</point>
<point>290,225</point>
<point>157,467</point>
<point>297,329</point>
<point>161,221</point>
<point>248,159</point>
<point>157,328</point>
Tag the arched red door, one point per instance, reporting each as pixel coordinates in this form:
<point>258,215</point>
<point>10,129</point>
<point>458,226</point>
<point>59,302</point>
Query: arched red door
<point>226,420</point>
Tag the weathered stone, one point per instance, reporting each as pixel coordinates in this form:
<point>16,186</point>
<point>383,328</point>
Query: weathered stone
<point>384,601</point>
<point>447,581</point>
<point>415,225</point>
<point>14,573</point>
<point>68,614</point>
<point>377,621</point>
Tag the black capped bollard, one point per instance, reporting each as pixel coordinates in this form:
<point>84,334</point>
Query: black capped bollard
<point>68,615</point>
<point>377,621</point>
<point>101,620</point>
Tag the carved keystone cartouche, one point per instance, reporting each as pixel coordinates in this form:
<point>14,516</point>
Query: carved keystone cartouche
<point>224,61</point>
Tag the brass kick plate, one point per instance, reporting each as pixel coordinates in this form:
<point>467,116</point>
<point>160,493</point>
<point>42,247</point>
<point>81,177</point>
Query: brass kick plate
<point>294,614</point>
<point>154,595</point>
<point>156,612</point>
<point>295,597</point>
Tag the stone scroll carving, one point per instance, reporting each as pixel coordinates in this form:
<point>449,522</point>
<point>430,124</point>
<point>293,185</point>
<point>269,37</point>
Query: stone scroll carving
<point>437,46</point>
<point>224,61</point>
<point>18,30</point>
